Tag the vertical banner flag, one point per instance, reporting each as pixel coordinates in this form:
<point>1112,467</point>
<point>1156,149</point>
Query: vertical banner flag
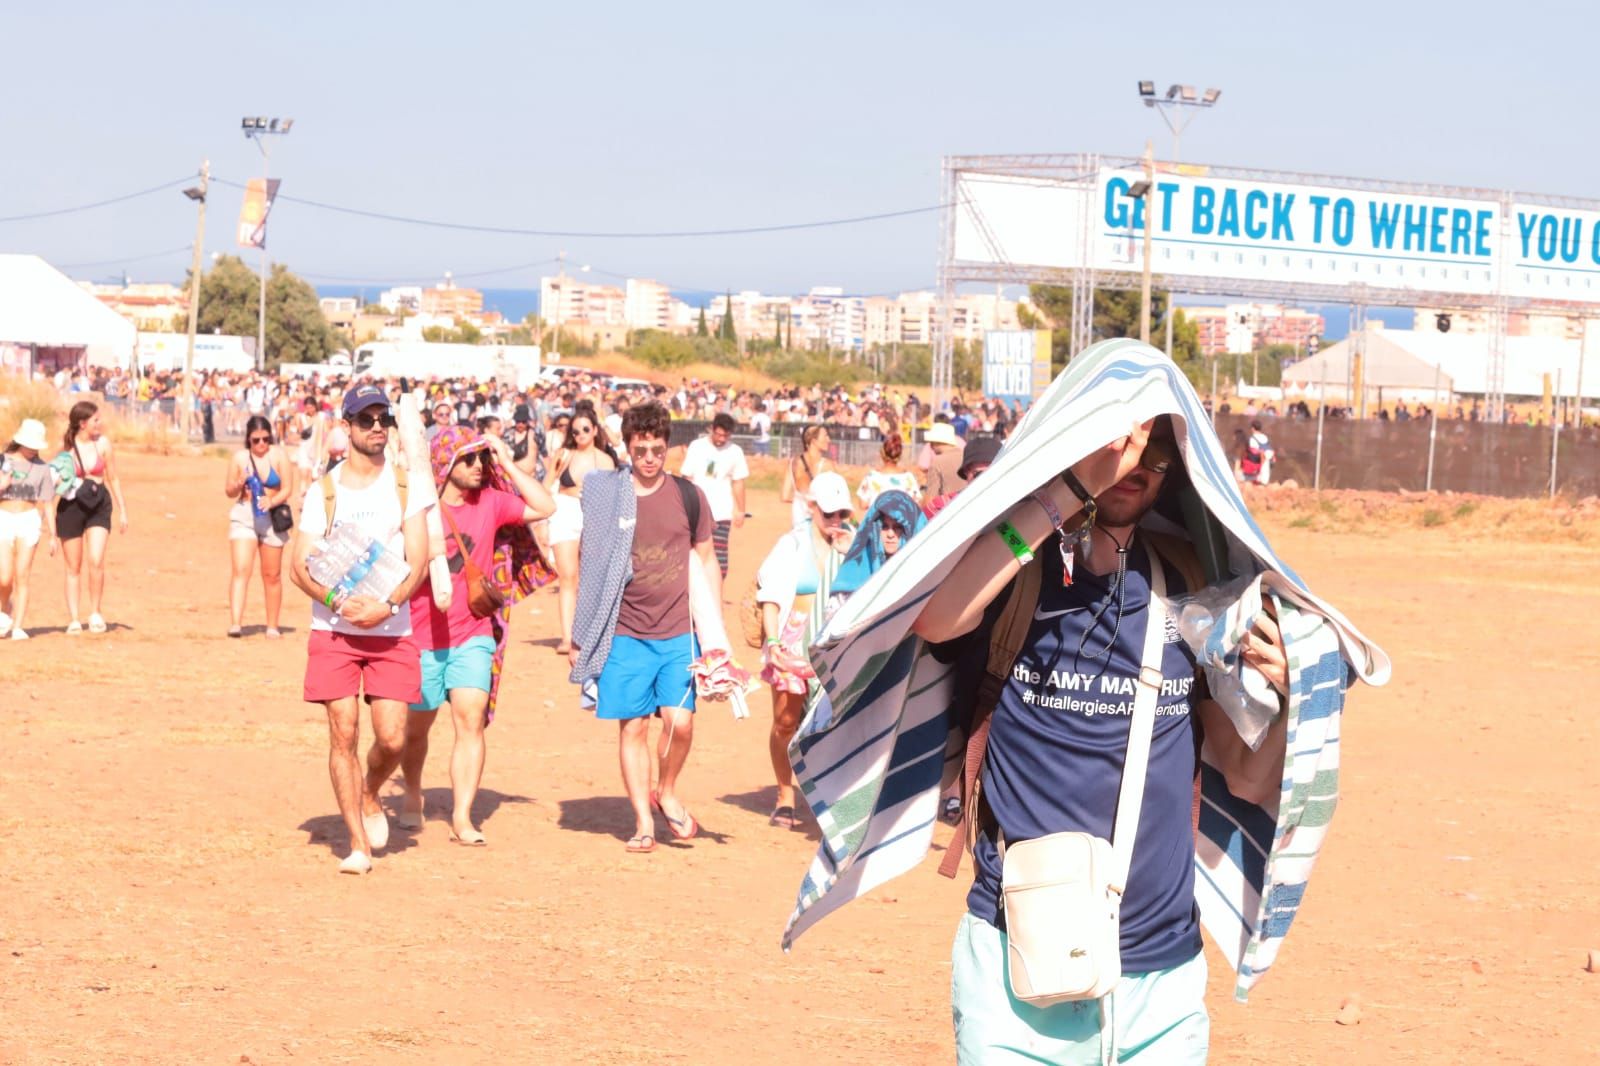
<point>258,197</point>
<point>1016,364</point>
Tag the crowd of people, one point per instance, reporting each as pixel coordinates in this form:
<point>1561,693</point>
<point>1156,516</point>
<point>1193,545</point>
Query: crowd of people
<point>477,496</point>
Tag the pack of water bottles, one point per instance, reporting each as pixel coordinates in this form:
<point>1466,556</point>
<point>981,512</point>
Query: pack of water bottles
<point>353,564</point>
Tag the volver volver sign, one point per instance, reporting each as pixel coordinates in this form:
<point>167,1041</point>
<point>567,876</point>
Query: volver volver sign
<point>1285,231</point>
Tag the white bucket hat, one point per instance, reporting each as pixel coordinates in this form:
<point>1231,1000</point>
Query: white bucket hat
<point>31,435</point>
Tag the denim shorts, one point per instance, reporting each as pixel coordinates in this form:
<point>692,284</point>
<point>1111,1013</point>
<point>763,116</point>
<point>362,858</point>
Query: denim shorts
<point>1160,1017</point>
<point>468,665</point>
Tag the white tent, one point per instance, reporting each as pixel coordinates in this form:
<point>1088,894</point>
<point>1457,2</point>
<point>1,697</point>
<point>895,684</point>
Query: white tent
<point>42,308</point>
<point>1387,365</point>
<point>1402,363</point>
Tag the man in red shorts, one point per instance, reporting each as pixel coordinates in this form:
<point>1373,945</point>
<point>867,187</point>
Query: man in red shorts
<point>362,645</point>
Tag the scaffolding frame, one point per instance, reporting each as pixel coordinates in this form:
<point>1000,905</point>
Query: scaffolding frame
<point>1082,169</point>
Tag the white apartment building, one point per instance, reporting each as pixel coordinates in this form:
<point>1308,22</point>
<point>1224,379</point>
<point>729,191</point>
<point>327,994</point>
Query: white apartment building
<point>913,317</point>
<point>571,299</point>
<point>402,298</point>
<point>648,305</point>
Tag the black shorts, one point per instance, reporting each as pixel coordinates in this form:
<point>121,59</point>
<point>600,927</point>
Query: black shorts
<point>72,517</point>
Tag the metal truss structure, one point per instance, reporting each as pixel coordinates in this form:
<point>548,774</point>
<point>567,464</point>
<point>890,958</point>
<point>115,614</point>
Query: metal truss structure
<point>1082,169</point>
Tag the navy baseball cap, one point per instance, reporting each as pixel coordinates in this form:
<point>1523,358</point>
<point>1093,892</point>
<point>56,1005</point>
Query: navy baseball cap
<point>362,397</point>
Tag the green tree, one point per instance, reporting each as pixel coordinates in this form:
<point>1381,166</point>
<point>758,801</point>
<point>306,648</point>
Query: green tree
<point>700,329</point>
<point>297,331</point>
<point>725,327</point>
<point>777,332</point>
<point>1116,314</point>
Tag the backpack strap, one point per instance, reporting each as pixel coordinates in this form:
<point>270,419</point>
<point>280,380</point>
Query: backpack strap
<point>1005,644</point>
<point>691,503</point>
<point>330,499</point>
<point>1180,555</point>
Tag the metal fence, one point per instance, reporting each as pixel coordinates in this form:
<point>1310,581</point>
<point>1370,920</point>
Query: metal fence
<point>1479,457</point>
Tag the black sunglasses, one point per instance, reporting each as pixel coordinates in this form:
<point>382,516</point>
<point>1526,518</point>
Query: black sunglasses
<point>475,457</point>
<point>1159,454</point>
<point>261,439</point>
<point>366,420</point>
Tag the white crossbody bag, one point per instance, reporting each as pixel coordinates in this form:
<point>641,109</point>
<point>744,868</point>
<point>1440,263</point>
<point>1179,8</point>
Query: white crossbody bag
<point>1062,893</point>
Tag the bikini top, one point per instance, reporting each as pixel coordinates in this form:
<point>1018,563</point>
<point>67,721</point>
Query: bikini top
<point>272,480</point>
<point>809,582</point>
<point>566,479</point>
<point>97,469</point>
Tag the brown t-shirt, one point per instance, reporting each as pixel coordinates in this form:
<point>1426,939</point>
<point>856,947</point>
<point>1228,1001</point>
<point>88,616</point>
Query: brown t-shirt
<point>655,604</point>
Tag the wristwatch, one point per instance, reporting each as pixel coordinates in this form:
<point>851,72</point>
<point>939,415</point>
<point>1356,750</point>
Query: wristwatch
<point>394,608</point>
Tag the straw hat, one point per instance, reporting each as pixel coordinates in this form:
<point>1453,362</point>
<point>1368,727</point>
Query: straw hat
<point>31,434</point>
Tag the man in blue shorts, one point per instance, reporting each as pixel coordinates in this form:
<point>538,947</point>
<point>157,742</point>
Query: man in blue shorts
<point>643,530</point>
<point>458,648</point>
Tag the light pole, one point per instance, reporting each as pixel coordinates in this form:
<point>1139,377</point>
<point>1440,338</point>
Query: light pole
<point>1143,190</point>
<point>257,129</point>
<point>1173,113</point>
<point>198,194</point>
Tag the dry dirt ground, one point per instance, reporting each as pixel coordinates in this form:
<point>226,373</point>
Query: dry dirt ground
<point>168,842</point>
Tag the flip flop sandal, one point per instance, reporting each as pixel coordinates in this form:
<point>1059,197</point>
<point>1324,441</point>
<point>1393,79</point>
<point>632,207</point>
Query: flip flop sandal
<point>642,845</point>
<point>673,823</point>
<point>471,838</point>
<point>784,817</point>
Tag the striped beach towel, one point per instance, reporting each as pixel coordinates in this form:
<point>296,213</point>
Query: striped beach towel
<point>874,748</point>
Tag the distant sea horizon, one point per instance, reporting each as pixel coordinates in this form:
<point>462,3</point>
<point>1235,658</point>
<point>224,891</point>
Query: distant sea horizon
<point>517,304</point>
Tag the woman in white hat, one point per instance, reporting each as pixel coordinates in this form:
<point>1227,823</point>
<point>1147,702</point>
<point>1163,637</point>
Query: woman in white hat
<point>793,587</point>
<point>27,510</point>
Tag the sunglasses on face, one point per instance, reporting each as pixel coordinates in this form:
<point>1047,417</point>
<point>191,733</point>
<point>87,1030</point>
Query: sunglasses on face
<point>836,516</point>
<point>474,458</point>
<point>261,440</point>
<point>366,420</point>
<point>1159,454</point>
<point>892,529</point>
<point>658,451</point>
<point>583,429</point>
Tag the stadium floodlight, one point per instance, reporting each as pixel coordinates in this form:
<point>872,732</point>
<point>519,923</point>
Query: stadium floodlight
<point>289,122</point>
<point>1139,189</point>
<point>274,126</point>
<point>1178,96</point>
<point>195,192</point>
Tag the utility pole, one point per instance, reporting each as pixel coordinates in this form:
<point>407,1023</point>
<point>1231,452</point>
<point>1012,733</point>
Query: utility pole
<point>1149,219</point>
<point>197,194</point>
<point>560,287</point>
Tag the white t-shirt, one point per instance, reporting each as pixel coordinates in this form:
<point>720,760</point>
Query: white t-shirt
<point>715,470</point>
<point>761,422</point>
<point>376,511</point>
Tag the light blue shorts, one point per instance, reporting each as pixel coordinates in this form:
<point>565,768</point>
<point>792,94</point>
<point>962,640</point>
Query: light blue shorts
<point>1160,1017</point>
<point>642,676</point>
<point>469,665</point>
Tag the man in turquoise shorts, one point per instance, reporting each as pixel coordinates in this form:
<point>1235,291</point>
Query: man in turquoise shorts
<point>458,648</point>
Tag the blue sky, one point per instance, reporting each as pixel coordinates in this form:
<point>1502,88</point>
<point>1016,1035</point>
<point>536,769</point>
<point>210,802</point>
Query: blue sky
<point>630,116</point>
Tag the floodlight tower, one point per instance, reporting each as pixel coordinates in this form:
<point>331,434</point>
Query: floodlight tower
<point>258,129</point>
<point>1178,98</point>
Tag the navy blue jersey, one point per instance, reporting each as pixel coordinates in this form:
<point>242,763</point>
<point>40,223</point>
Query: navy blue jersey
<point>1059,738</point>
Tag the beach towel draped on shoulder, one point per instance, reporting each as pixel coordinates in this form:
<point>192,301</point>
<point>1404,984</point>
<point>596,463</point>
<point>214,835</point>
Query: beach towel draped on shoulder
<point>873,750</point>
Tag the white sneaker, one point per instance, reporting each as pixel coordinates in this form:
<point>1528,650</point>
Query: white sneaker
<point>74,627</point>
<point>19,634</point>
<point>377,827</point>
<point>97,624</point>
<point>5,623</point>
<point>356,863</point>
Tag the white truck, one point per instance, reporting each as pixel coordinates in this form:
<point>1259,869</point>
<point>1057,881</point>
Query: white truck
<point>510,364</point>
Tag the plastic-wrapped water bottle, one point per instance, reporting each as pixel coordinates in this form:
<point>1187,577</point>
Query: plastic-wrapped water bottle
<point>349,560</point>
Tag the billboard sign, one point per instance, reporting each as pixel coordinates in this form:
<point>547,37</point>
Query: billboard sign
<point>1016,364</point>
<point>1286,231</point>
